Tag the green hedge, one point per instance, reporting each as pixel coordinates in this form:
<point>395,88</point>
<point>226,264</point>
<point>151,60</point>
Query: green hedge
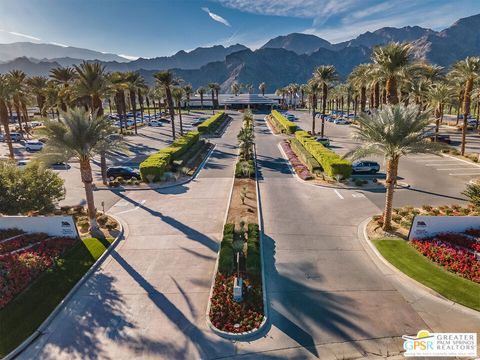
<point>285,125</point>
<point>331,163</point>
<point>156,164</point>
<point>226,259</point>
<point>253,263</point>
<point>305,156</point>
<point>210,125</point>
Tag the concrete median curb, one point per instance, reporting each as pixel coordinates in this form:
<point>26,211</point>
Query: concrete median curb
<point>14,353</point>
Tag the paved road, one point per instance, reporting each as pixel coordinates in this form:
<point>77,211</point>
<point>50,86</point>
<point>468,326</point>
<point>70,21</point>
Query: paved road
<point>149,298</point>
<point>433,179</point>
<point>326,294</point>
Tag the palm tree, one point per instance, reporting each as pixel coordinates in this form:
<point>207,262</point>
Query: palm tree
<point>52,98</point>
<point>118,85</point>
<point>63,76</point>
<point>303,89</point>
<point>91,83</point>
<point>262,87</point>
<point>467,71</point>
<point>325,75</point>
<point>212,87</point>
<point>177,94</point>
<point>359,78</point>
<point>5,93</point>
<point>201,91</point>
<point>134,82</point>
<point>38,85</point>
<point>166,80</point>
<point>313,89</point>
<point>245,138</point>
<point>188,90</point>
<point>392,132</point>
<point>80,135</point>
<point>235,88</point>
<point>392,60</point>
<point>16,79</point>
<point>438,95</point>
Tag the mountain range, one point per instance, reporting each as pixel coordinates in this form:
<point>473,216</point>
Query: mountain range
<point>280,61</point>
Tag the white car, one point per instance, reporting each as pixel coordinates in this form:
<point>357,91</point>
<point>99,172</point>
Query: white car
<point>155,123</point>
<point>35,124</point>
<point>341,122</point>
<point>33,145</point>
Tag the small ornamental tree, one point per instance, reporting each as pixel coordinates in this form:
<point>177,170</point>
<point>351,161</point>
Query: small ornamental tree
<point>33,188</point>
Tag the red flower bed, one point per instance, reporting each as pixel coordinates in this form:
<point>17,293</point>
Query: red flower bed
<point>459,240</point>
<point>453,259</point>
<point>228,315</point>
<point>18,270</point>
<point>299,167</point>
<point>8,233</point>
<point>21,241</point>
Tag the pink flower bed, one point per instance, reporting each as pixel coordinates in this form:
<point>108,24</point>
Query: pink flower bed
<point>228,315</point>
<point>450,257</point>
<point>459,240</point>
<point>18,270</point>
<point>21,241</point>
<point>299,167</point>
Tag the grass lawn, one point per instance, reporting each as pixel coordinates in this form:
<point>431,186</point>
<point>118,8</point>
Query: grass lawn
<point>408,260</point>
<point>21,317</point>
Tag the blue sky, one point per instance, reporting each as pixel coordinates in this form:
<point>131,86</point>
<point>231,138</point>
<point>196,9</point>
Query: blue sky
<point>151,28</point>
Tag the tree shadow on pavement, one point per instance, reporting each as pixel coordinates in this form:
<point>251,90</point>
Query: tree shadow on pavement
<point>190,232</point>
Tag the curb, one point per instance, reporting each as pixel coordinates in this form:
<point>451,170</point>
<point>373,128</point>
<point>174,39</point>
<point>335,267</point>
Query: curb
<point>247,334</point>
<point>365,240</point>
<point>18,350</point>
<point>160,187</point>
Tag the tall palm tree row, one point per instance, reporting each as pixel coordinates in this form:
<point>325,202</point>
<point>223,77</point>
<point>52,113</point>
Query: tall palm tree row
<point>325,75</point>
<point>166,80</point>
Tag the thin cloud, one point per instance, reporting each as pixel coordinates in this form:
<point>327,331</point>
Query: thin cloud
<point>216,17</point>
<point>30,37</point>
<point>58,44</point>
<point>129,57</point>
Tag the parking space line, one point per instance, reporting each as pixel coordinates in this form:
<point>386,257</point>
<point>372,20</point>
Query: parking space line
<point>473,169</point>
<point>445,163</point>
<point>463,174</point>
<point>338,194</point>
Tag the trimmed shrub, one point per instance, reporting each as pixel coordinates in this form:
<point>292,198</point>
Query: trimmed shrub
<point>153,167</point>
<point>210,125</point>
<point>245,168</point>
<point>226,262</point>
<point>305,156</point>
<point>331,163</point>
<point>253,261</point>
<point>283,123</point>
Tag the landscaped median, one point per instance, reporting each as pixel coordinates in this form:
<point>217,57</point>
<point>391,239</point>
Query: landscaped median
<point>448,262</point>
<point>281,123</point>
<point>213,124</point>
<point>179,158</point>
<point>237,301</point>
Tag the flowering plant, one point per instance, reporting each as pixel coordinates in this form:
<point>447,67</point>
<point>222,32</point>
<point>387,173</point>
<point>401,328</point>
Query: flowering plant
<point>300,168</point>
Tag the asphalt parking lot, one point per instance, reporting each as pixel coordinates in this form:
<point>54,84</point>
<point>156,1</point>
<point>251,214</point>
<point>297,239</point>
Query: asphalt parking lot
<point>148,140</point>
<point>433,179</point>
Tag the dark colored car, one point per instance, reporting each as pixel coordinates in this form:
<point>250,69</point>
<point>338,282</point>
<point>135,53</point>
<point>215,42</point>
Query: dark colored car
<point>444,138</point>
<point>122,171</point>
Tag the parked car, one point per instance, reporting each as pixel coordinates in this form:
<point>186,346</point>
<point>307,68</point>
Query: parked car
<point>472,121</point>
<point>365,167</point>
<point>325,141</point>
<point>35,124</point>
<point>16,137</point>
<point>341,121</point>
<point>164,120</point>
<point>290,117</point>
<point>33,145</point>
<point>122,171</point>
<point>445,138</point>
<point>154,123</point>
<point>22,163</point>
<point>198,121</point>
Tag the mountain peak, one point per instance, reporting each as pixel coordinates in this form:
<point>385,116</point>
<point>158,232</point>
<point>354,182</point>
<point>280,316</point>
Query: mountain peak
<point>298,42</point>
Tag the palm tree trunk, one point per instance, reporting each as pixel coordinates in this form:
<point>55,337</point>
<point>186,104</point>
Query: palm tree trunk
<point>466,111</point>
<point>437,121</point>
<point>324,107</point>
<point>391,88</point>
<point>110,105</point>
<point>355,106</point>
<point>392,169</point>
<point>314,100</point>
<point>376,95</point>
<point>148,107</point>
<point>201,101</point>
<point>133,102</point>
<point>87,179</point>
<point>363,98</point>
<point>213,102</point>
<point>103,166</point>
<point>180,118</point>
<point>140,102</point>
<point>19,118</point>
<point>171,109</point>
<point>4,122</point>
